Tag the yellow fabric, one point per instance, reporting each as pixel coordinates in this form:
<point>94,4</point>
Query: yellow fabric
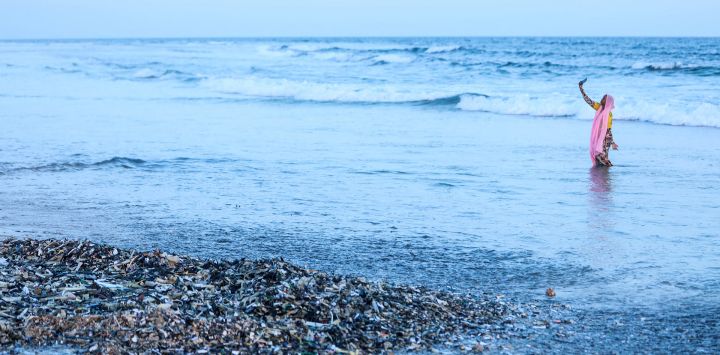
<point>597,107</point>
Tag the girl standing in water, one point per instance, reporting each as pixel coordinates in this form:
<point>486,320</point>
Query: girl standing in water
<point>601,138</point>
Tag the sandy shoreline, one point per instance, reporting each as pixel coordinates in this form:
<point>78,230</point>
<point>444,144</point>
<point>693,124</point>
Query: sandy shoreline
<point>103,299</point>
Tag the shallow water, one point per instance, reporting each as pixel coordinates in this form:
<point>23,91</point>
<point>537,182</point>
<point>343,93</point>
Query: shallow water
<point>412,191</point>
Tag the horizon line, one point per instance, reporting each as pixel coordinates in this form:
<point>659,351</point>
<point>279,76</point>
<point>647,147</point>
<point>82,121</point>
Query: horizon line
<point>335,37</point>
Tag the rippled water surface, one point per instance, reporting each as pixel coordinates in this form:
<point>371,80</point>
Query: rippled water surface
<point>457,163</point>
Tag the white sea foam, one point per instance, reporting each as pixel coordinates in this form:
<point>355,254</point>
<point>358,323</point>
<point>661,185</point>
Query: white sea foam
<point>146,73</point>
<point>276,51</point>
<point>676,114</point>
<point>440,49</point>
<point>319,92</point>
<point>295,49</point>
<point>669,113</point>
<point>551,106</point>
<point>360,47</point>
<point>307,47</point>
<point>332,56</point>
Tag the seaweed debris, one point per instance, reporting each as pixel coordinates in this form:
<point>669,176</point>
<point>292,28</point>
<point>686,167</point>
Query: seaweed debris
<point>103,299</point>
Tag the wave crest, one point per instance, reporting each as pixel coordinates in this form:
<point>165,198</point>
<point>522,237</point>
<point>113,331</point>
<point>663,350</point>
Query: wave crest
<point>441,49</point>
<point>393,58</point>
<point>662,66</point>
<point>696,69</point>
<point>121,162</point>
<point>704,114</point>
<point>551,105</point>
<point>520,105</point>
<point>153,74</point>
<point>257,87</point>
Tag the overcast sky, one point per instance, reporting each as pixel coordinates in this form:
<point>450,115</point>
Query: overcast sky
<point>239,18</point>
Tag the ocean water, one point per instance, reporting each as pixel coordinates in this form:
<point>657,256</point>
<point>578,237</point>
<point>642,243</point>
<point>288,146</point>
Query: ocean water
<point>457,163</point>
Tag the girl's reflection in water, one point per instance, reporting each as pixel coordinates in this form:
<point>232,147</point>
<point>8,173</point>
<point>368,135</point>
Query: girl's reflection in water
<point>600,249</point>
<point>600,205</point>
<point>600,188</point>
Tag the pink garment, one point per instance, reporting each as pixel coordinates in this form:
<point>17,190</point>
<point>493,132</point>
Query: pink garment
<point>599,128</point>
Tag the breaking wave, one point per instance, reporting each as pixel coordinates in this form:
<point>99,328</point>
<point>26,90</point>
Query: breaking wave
<point>150,74</point>
<point>256,87</point>
<point>662,66</point>
<point>470,75</point>
<point>551,105</point>
<point>678,67</point>
<point>441,49</point>
<point>392,58</point>
<point>116,162</point>
<point>520,105</point>
<point>703,114</point>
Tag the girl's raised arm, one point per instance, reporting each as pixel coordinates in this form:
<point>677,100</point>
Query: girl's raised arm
<point>587,99</point>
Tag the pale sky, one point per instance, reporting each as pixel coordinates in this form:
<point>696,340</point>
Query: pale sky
<point>24,19</point>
